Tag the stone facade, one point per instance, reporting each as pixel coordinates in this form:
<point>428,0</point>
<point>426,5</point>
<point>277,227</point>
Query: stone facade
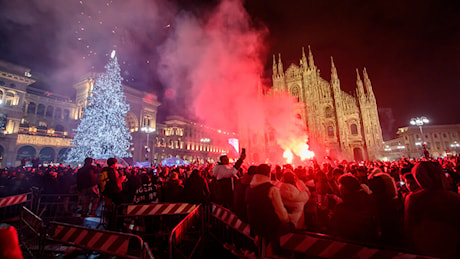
<point>441,141</point>
<point>38,124</point>
<point>192,141</point>
<point>339,125</point>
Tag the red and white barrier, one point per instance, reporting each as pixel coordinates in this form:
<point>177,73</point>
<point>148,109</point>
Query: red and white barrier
<point>231,219</point>
<point>13,200</point>
<point>113,243</point>
<point>327,248</point>
<point>159,209</point>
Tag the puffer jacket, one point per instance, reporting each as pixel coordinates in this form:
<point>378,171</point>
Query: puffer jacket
<point>294,200</point>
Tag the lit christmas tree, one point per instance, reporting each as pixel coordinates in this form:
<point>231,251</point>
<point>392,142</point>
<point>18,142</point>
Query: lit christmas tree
<point>102,131</point>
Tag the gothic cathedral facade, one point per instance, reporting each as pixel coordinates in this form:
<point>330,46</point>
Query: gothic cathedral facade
<point>339,125</point>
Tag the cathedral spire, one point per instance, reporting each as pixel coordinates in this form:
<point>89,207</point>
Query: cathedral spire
<point>275,70</point>
<point>367,84</point>
<point>311,62</point>
<point>280,65</point>
<point>359,83</point>
<point>304,58</point>
<point>334,76</point>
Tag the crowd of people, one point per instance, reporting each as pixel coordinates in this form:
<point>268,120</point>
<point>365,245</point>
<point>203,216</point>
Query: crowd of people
<point>408,204</point>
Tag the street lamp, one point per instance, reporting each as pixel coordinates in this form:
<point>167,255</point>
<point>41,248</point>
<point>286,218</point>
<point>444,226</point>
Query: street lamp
<point>420,121</point>
<point>148,130</point>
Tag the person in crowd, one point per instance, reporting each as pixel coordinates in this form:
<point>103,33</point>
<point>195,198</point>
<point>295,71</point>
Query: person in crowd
<point>389,206</point>
<point>20,184</point>
<point>147,192</point>
<point>354,218</point>
<point>224,174</point>
<point>133,183</point>
<point>241,186</point>
<point>50,182</point>
<point>172,189</point>
<point>322,204</point>
<point>114,186</point>
<point>432,214</point>
<point>410,185</point>
<point>267,216</point>
<point>294,195</point>
<point>87,186</point>
<point>196,188</point>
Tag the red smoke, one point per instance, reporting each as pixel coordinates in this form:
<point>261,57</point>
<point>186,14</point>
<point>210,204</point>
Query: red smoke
<point>216,61</point>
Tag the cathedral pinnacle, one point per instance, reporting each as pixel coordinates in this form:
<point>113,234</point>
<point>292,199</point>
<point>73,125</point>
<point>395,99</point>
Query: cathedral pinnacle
<point>334,76</point>
<point>367,83</point>
<point>280,65</point>
<point>311,62</point>
<point>275,70</point>
<point>304,58</point>
<point>359,83</point>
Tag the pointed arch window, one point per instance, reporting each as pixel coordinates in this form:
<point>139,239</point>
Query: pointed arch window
<point>295,91</point>
<point>329,112</point>
<point>354,129</point>
<point>330,131</point>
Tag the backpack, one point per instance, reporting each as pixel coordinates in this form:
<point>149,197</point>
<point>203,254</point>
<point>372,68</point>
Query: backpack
<point>103,179</point>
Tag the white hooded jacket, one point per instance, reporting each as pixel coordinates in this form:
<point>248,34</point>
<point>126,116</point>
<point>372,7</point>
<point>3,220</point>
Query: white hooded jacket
<point>294,200</point>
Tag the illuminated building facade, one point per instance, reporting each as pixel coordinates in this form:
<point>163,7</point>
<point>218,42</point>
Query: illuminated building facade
<point>441,141</point>
<point>339,125</point>
<point>38,124</point>
<point>191,141</point>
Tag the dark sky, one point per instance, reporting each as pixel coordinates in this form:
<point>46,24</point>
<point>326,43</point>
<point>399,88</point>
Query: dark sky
<point>411,49</point>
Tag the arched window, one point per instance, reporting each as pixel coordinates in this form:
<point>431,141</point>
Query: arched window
<point>46,154</point>
<point>41,110</point>
<point>31,108</point>
<point>295,92</point>
<point>66,114</point>
<point>57,113</point>
<point>10,98</point>
<point>49,111</point>
<point>330,131</point>
<point>131,121</point>
<point>329,112</point>
<point>354,129</point>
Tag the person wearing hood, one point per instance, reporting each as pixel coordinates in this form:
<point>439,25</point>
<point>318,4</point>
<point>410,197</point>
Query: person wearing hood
<point>432,214</point>
<point>295,195</point>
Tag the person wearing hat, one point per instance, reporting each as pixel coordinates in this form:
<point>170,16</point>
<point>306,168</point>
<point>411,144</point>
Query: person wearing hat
<point>87,187</point>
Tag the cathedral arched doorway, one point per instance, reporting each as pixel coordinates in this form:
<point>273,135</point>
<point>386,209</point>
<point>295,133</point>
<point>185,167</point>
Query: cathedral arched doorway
<point>358,154</point>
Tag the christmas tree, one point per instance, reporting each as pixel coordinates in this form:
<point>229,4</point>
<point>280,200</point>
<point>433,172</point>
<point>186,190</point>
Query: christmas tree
<point>102,131</point>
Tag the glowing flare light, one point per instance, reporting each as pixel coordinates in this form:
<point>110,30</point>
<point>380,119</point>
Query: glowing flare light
<point>305,153</point>
<point>288,156</point>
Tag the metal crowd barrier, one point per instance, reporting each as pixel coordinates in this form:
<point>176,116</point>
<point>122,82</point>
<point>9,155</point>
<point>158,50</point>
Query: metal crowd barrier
<point>10,207</point>
<point>311,245</point>
<point>108,243</point>
<point>187,235</point>
<point>51,207</point>
<point>31,229</point>
<point>230,231</point>
<point>148,219</point>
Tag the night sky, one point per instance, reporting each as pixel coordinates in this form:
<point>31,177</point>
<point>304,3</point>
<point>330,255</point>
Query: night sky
<point>411,49</point>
